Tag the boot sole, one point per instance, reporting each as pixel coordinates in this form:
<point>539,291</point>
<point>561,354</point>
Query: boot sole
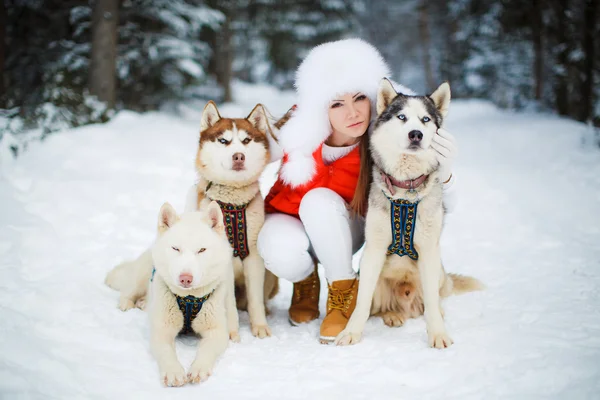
<point>326,339</point>
<point>294,323</point>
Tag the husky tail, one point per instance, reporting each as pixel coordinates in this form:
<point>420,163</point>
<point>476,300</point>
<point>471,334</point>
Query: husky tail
<point>463,284</point>
<point>131,279</point>
<point>119,275</point>
<point>458,284</point>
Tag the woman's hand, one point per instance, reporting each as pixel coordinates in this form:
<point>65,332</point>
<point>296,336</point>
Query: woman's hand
<point>445,146</point>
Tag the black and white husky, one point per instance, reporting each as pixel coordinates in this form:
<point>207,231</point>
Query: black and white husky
<point>401,273</point>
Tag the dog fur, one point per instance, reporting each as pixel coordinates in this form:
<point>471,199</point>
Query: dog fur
<point>222,178</point>
<point>193,245</point>
<point>393,287</point>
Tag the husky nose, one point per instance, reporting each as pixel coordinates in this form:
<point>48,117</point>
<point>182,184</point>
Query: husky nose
<point>185,279</point>
<point>415,136</point>
<point>237,157</point>
<point>238,161</point>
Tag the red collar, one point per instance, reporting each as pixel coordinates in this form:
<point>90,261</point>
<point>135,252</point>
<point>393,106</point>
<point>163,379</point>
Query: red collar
<point>410,184</point>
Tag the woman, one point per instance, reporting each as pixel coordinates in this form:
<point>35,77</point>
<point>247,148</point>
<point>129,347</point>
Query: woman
<point>316,206</point>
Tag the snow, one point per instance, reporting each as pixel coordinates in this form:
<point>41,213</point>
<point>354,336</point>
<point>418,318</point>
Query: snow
<point>191,67</point>
<point>527,225</point>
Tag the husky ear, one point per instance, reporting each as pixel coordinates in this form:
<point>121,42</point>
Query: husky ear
<point>258,118</point>
<point>210,116</point>
<point>167,216</point>
<point>385,95</point>
<point>215,217</point>
<point>441,98</point>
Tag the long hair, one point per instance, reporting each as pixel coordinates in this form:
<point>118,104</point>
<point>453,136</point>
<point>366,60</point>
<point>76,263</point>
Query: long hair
<point>360,200</point>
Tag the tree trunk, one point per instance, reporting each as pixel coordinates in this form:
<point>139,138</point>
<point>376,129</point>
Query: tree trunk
<point>426,40</point>
<point>588,46</point>
<point>538,48</point>
<point>102,79</point>
<point>443,31</point>
<point>225,57</point>
<point>2,55</point>
<point>561,90</point>
<point>221,62</point>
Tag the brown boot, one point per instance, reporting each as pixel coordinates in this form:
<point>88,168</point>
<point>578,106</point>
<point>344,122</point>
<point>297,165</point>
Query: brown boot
<point>305,300</point>
<point>341,302</point>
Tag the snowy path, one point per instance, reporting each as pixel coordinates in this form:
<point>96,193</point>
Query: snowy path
<point>527,225</point>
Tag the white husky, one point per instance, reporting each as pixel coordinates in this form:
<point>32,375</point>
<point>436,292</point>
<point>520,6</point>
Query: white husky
<point>401,273</point>
<point>191,291</point>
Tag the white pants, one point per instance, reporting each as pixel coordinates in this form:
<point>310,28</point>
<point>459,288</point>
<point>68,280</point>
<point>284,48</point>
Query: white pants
<point>326,231</point>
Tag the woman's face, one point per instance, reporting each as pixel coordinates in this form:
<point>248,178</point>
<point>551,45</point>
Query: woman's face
<point>350,114</point>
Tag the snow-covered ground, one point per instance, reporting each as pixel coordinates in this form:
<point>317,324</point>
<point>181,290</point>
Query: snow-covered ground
<point>527,225</point>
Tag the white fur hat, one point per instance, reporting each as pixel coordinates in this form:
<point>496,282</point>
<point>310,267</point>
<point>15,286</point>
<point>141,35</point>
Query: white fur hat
<point>330,69</point>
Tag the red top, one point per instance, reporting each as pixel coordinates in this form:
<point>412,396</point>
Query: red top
<point>341,176</point>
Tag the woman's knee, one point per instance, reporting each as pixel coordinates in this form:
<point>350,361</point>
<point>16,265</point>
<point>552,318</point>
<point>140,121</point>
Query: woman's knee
<point>279,234</point>
<point>321,201</point>
<point>283,245</point>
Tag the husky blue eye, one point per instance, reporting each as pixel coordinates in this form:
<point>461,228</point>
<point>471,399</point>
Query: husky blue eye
<point>426,119</point>
<point>223,141</point>
<point>402,117</point>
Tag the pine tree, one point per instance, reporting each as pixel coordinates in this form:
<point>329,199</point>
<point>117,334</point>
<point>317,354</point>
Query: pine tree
<point>161,56</point>
<point>273,36</point>
<point>46,65</point>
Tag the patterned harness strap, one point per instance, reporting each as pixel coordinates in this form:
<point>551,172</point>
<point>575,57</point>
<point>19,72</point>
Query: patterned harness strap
<point>234,218</point>
<point>190,306</point>
<point>403,214</point>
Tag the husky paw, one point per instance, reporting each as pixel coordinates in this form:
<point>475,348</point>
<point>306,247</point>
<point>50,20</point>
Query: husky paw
<point>440,340</point>
<point>346,338</point>
<point>141,303</point>
<point>393,319</point>
<point>199,371</point>
<point>261,331</point>
<point>234,336</point>
<point>125,304</point>
<point>174,376</point>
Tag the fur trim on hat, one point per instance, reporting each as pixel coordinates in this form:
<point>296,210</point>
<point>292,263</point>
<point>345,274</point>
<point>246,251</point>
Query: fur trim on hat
<point>329,70</point>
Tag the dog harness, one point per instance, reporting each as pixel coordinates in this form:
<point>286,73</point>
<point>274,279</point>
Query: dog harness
<point>189,306</point>
<point>234,218</point>
<point>403,214</point>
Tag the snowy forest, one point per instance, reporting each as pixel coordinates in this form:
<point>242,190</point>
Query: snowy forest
<point>101,105</point>
<point>68,63</point>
